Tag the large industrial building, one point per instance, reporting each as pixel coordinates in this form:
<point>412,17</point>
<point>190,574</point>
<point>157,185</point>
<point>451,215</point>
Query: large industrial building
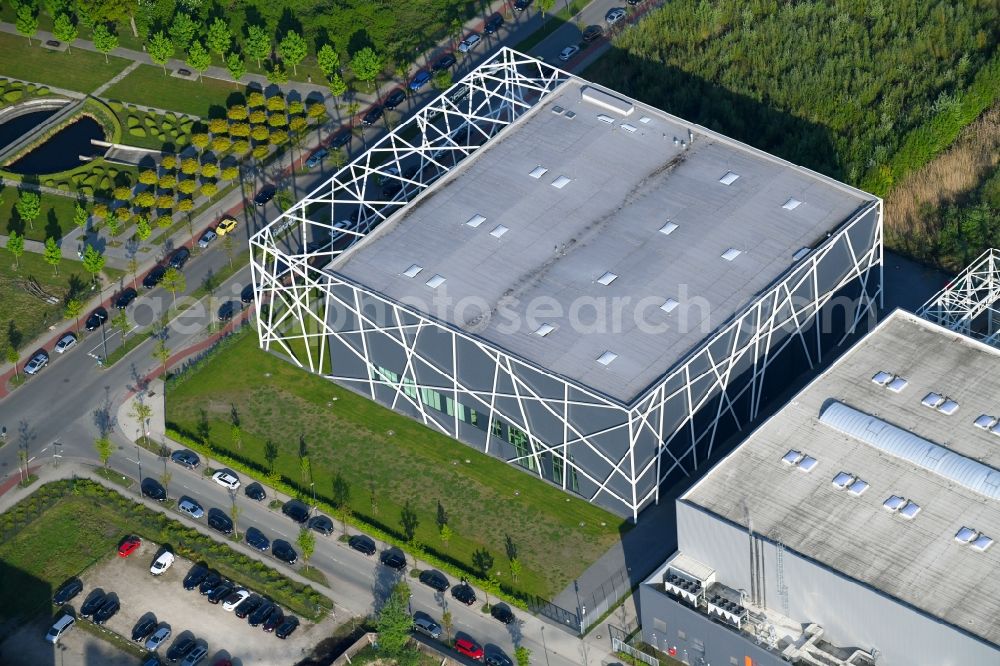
<point>567,279</point>
<point>856,525</point>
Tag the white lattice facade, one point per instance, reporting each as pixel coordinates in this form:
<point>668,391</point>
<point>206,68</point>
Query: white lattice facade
<point>968,304</point>
<point>608,451</point>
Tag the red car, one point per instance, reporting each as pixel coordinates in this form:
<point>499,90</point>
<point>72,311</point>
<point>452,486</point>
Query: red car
<point>469,648</point>
<point>129,546</point>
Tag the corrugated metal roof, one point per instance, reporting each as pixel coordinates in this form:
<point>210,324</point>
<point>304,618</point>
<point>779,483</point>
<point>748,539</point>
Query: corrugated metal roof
<point>895,441</point>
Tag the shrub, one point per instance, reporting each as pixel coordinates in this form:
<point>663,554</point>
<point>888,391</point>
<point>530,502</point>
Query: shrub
<point>123,193</point>
<point>12,95</point>
<point>137,132</point>
<point>131,122</point>
<point>42,90</point>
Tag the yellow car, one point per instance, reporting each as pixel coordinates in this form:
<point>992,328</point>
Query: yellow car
<point>226,225</point>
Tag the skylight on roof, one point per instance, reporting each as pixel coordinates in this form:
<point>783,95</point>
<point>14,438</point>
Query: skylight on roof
<point>882,378</point>
<point>858,487</point>
<point>932,400</point>
<point>981,543</point>
<point>910,510</point>
<point>560,182</point>
<point>792,457</point>
<point>538,172</point>
<point>544,330</point>
<point>668,228</point>
<point>499,231</point>
<point>801,253</point>
<point>645,120</point>
<point>413,270</point>
<point>629,128</point>
<point>435,281</point>
<point>731,254</point>
<point>893,503</point>
<point>948,407</point>
<point>985,421</point>
<point>605,118</point>
<point>807,464</point>
<point>897,385</point>
<point>607,278</point>
<point>791,204</point>
<point>729,178</point>
<point>476,220</point>
<point>966,535</point>
<point>842,480</point>
<point>669,305</point>
<point>607,357</point>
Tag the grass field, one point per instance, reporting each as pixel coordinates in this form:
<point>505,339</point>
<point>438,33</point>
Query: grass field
<point>80,70</point>
<point>389,459</point>
<point>56,218</point>
<point>147,85</point>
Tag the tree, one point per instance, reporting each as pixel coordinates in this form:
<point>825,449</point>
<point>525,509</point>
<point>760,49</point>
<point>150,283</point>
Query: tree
<point>522,655</point>
<point>147,177</point>
<point>93,261</point>
<point>198,58</point>
<point>103,447</point>
<point>337,86</point>
<point>12,359</point>
<point>27,20</point>
<point>169,162</point>
<point>168,181</point>
<point>221,144</point>
<point>209,189</point>
<point>173,281</point>
<point>409,521</point>
<point>227,245</point>
<point>545,6</point>
<point>283,199</point>
<point>52,254</point>
<point>236,432</point>
<point>307,543</point>
<point>277,74</point>
<point>64,29</point>
<point>293,49</point>
<point>328,59</point>
<point>231,172</point>
<point>446,534</point>
<point>515,569</point>
<point>199,141</point>
<point>234,514</point>
<point>257,43</point>
<point>187,186</point>
<point>141,412</point>
<point>209,170</point>
<point>219,36</point>
<point>145,200</point>
<point>185,205</point>
<point>162,354</point>
<point>394,622</point>
<point>276,103</point>
<point>120,321</point>
<point>367,65</point>
<point>15,245</point>
<point>182,31</point>
<point>278,137</point>
<point>237,112</point>
<point>236,66</point>
<point>28,206</point>
<point>270,454</point>
<point>104,40</point>
<point>447,622</point>
<point>160,50</point>
<point>164,202</point>
<point>123,193</point>
<point>73,309</point>
<point>133,268</point>
<point>260,133</point>
<point>165,477</point>
<point>441,80</point>
<point>482,560</point>
<point>80,216</point>
<point>142,228</point>
<point>442,516</point>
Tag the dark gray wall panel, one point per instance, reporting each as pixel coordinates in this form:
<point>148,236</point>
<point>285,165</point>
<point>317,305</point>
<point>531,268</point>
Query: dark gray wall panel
<point>475,369</point>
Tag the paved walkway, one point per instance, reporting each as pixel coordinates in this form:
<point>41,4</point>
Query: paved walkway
<point>116,78</point>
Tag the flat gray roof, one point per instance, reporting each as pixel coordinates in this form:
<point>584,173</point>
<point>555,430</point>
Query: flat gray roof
<point>624,185</point>
<point>917,561</point>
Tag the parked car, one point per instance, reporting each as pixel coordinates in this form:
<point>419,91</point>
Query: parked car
<point>159,637</point>
<point>255,491</point>
<point>468,647</point>
<point>493,24</point>
<point>195,656</point>
<point>129,545</point>
<point>274,620</point>
<point>226,225</point>
<point>340,139</point>
<point>592,32</point>
<point>284,551</point>
<point>68,591</point>
<point>463,592</point>
<point>219,521</point>
<point>220,592</point>
<point>434,579</point>
<point>154,277</point>
<point>37,362</point>
<point>152,489</point>
<point>143,628</point>
<point>93,602</point>
<point>521,5</point>
<point>227,479</point>
<point>227,310</point>
<point>265,194</point>
<point>286,628</point>
<point>420,79</point>
<point>125,298</point>
<point>107,610</point>
<point>186,458</point>
<point>614,15</point>
<point>425,624</point>
<point>502,612</point>
<point>179,258</point>
<point>373,115</point>
<point>256,539</point>
<point>393,558</point>
<point>62,624</point>
<point>321,524</point>
<point>152,659</point>
<point>212,580</point>
<point>195,575</point>
<point>248,605</point>
<point>316,158</point>
<point>496,657</point>
<point>96,318</point>
<point>65,342</point>
<point>296,510</point>
<point>207,238</point>
<point>234,599</point>
<point>190,507</point>
<point>447,61</point>
<point>246,296</point>
<point>161,563</point>
<point>470,42</point>
<point>256,618</point>
<point>569,52</point>
<point>180,649</point>
<point>362,543</point>
<point>394,99</point>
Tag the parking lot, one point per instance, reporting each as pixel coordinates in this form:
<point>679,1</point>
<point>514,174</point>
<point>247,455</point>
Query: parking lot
<point>27,647</point>
<point>189,613</point>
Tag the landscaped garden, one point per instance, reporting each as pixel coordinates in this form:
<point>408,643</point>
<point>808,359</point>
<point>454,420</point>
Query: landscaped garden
<point>82,71</point>
<point>388,462</point>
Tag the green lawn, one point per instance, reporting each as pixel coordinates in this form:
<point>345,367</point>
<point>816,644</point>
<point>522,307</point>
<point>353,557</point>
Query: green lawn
<point>149,86</point>
<point>55,219</point>
<point>80,70</point>
<point>557,535</point>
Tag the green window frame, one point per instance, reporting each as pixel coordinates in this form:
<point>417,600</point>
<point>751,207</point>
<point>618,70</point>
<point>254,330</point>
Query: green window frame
<point>496,428</point>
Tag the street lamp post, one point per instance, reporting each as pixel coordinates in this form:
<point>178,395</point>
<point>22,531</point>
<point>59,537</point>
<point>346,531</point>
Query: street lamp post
<point>104,335</point>
<point>312,485</point>
<point>138,461</point>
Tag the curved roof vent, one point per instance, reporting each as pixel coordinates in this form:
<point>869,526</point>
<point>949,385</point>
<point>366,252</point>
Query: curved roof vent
<point>903,444</point>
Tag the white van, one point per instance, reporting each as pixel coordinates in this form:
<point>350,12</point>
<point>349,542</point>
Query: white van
<point>60,627</point>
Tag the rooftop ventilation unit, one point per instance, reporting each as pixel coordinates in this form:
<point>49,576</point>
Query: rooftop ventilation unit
<point>606,101</point>
<point>544,330</point>
<point>607,278</point>
<point>557,109</point>
<point>607,357</point>
<point>475,221</point>
<point>631,129</point>
<point>499,231</point>
<point>604,118</point>
<point>791,204</point>
<point>729,178</point>
<point>435,281</point>
<point>731,254</point>
<point>668,228</point>
<point>669,305</point>
<point>570,115</point>
<point>413,271</point>
<point>538,172</point>
<point>560,182</point>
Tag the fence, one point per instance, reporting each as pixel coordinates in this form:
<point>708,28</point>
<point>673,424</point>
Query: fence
<point>605,597</point>
<point>619,644</point>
